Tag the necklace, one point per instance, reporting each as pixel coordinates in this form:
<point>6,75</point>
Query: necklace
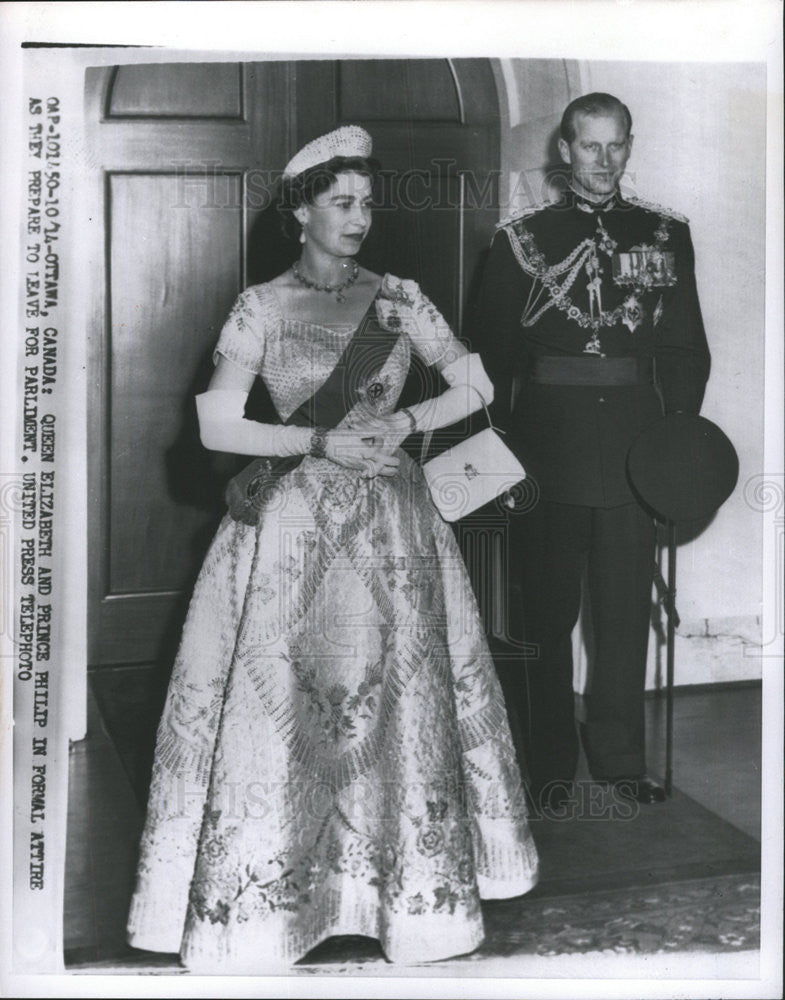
<point>338,289</point>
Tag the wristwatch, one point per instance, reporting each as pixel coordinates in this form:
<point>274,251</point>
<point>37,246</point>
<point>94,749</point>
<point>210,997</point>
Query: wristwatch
<point>318,447</point>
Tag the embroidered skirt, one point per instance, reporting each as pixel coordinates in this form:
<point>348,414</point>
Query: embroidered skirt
<point>334,755</point>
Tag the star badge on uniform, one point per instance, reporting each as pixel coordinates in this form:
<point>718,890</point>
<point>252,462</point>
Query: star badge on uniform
<point>632,313</point>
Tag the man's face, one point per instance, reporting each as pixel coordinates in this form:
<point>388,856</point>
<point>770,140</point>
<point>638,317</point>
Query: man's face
<point>598,154</point>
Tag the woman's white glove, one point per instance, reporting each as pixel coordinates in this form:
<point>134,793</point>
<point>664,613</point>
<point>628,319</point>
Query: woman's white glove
<point>356,449</point>
<point>469,388</point>
<point>367,447</point>
<point>388,433</point>
<point>467,369</point>
<point>223,427</point>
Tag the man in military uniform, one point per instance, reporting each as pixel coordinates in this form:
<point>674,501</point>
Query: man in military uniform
<point>590,327</point>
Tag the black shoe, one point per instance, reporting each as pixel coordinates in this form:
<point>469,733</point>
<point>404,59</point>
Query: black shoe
<point>642,790</point>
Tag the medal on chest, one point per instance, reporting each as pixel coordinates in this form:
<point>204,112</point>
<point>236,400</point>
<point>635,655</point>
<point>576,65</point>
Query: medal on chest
<point>639,270</point>
<point>594,288</point>
<point>632,312</point>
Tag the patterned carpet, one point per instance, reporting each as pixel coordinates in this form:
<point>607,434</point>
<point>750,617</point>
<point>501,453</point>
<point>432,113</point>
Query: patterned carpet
<point>702,915</point>
<point>616,883</point>
<point>706,916</point>
<point>713,914</point>
<point>720,914</point>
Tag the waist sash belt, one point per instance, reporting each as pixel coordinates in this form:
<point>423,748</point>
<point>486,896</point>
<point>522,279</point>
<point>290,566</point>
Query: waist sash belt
<point>592,370</point>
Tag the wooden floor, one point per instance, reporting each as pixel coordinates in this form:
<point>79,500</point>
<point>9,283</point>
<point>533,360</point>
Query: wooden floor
<point>717,754</point>
<point>717,751</point>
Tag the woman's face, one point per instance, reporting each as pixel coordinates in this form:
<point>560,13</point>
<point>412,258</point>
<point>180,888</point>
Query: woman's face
<point>339,219</point>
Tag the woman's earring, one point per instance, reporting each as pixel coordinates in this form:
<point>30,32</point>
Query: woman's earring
<point>302,234</point>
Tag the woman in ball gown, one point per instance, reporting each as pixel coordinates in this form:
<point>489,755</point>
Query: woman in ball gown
<point>334,756</point>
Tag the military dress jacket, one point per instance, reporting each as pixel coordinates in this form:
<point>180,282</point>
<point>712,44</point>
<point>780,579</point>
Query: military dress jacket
<point>574,279</point>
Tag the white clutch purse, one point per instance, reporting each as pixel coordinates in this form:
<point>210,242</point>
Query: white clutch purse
<point>473,473</point>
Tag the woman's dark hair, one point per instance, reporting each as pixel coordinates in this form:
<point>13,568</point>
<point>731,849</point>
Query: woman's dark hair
<point>306,187</point>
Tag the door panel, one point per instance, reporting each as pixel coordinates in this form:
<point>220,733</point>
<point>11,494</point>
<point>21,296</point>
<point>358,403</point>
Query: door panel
<point>186,157</point>
<point>409,90</point>
<point>176,90</point>
<point>164,318</point>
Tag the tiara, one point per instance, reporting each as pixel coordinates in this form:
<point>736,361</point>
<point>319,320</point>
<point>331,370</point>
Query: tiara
<point>349,140</point>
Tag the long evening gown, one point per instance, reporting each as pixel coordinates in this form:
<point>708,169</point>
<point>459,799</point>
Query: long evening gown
<point>334,755</point>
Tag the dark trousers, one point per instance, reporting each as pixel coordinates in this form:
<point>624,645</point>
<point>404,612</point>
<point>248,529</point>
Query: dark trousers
<point>550,546</point>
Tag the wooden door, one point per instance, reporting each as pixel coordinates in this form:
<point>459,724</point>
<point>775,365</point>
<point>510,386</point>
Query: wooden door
<point>185,157</point>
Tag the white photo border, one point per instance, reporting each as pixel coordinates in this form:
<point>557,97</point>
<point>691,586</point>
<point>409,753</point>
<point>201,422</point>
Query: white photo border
<point>737,30</point>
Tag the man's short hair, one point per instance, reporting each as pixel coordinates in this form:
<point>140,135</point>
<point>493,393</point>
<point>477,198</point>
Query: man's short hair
<point>592,104</point>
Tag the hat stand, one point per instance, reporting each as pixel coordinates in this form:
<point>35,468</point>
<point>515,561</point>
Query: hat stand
<point>682,468</point>
<point>671,650</point>
<point>666,593</point>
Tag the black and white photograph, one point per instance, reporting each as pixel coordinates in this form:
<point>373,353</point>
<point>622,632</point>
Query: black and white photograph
<point>391,499</point>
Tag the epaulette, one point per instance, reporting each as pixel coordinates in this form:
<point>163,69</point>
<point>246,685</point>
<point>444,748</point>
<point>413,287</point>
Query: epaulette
<point>523,213</point>
<point>659,209</point>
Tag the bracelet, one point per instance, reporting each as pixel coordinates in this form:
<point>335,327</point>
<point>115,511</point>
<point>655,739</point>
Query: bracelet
<point>318,447</point>
<point>411,417</point>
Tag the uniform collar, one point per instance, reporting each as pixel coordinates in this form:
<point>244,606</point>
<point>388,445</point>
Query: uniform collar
<point>590,207</point>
